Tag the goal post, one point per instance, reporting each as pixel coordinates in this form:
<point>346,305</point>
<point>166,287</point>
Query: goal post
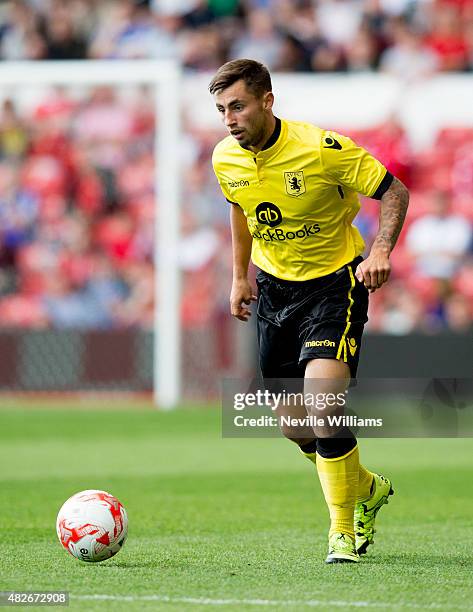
<point>164,76</point>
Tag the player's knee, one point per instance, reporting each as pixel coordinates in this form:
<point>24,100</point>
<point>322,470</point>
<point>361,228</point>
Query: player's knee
<point>338,445</point>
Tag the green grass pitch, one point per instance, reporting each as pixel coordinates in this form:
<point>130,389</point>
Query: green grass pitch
<point>223,523</point>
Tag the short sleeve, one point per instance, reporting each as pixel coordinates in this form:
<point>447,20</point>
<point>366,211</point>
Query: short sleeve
<point>221,181</point>
<point>353,167</point>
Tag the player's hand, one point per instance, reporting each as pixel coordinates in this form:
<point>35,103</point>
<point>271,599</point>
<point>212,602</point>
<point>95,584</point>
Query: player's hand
<point>374,271</point>
<point>240,298</point>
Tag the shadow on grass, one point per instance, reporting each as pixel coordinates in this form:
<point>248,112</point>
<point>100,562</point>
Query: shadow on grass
<point>128,564</point>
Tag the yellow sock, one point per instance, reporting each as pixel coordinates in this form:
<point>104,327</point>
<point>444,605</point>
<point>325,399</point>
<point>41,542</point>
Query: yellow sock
<point>365,480</point>
<point>339,480</point>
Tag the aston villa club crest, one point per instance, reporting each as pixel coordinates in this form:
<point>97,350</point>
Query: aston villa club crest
<point>295,184</point>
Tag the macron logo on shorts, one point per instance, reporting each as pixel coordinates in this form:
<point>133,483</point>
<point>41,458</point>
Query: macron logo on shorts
<point>312,343</point>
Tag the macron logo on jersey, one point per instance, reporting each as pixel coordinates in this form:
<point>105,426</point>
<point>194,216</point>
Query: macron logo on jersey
<point>235,184</point>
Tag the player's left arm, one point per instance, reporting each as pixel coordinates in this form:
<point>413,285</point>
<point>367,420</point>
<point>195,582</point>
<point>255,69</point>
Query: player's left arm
<point>374,271</point>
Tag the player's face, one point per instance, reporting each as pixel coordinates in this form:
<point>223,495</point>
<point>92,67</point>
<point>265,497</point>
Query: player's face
<point>245,116</point>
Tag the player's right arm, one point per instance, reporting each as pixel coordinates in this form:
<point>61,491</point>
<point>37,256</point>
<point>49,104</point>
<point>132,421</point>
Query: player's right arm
<point>242,293</point>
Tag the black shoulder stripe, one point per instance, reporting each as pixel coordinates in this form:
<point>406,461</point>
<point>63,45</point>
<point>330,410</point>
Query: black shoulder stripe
<point>231,202</point>
<point>383,186</point>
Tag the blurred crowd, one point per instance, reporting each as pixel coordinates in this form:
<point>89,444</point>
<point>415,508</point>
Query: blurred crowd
<point>77,208</point>
<point>77,174</point>
<point>431,285</point>
<point>407,38</point>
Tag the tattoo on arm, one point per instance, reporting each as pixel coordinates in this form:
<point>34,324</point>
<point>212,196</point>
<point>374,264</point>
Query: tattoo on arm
<point>393,211</point>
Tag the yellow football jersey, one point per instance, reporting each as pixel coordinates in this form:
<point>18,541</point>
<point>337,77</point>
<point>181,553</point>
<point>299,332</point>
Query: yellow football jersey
<point>299,195</point>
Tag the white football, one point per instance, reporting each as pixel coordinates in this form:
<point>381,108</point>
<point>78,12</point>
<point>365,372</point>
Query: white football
<point>92,525</point>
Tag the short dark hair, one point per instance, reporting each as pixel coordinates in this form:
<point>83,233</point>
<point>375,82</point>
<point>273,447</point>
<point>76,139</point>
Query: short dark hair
<point>255,76</point>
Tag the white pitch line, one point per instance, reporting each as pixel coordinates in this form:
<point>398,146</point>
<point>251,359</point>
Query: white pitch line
<point>207,601</point>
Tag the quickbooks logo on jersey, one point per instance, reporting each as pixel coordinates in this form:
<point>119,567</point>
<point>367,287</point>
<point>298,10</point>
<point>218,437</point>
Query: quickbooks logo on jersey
<point>268,213</point>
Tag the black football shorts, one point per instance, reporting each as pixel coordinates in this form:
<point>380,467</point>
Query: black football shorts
<point>302,320</point>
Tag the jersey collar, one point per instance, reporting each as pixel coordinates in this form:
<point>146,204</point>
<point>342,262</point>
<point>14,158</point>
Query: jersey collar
<point>274,136</point>
<point>271,144</point>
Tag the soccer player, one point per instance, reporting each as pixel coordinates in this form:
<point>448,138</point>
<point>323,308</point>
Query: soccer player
<point>293,191</point>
